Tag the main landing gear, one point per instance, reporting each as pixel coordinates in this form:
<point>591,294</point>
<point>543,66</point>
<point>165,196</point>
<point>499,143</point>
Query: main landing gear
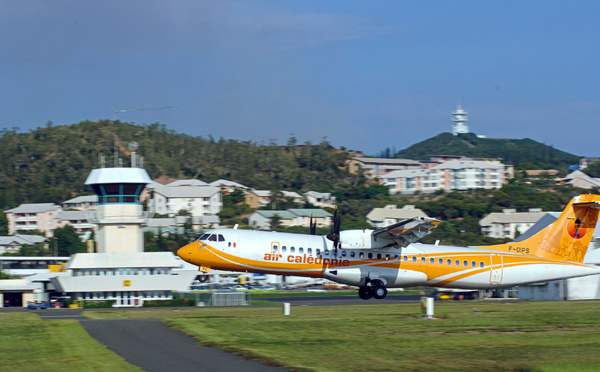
<point>373,288</point>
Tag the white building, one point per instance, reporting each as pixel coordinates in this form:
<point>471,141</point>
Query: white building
<point>129,279</point>
<point>195,199</point>
<point>82,203</point>
<point>461,174</point>
<point>12,243</point>
<point>320,199</point>
<point>29,217</point>
<point>391,214</point>
<point>229,186</point>
<point>461,119</point>
<point>509,223</point>
<point>375,167</point>
<point>261,219</point>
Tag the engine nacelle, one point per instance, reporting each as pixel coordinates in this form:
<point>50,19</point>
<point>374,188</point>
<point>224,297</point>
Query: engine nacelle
<point>361,239</point>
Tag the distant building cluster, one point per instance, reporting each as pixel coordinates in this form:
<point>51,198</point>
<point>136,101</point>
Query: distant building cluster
<point>442,172</point>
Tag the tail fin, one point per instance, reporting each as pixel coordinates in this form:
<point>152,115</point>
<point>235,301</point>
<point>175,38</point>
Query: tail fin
<point>567,238</point>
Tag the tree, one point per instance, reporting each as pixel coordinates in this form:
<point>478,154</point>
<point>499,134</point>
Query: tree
<point>67,241</point>
<point>593,170</point>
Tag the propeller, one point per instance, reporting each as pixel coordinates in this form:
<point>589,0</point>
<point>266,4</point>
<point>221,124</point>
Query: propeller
<point>313,226</point>
<point>334,235</point>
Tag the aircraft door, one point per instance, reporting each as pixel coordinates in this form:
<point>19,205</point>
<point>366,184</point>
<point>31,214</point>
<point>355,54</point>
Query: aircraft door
<point>496,267</point>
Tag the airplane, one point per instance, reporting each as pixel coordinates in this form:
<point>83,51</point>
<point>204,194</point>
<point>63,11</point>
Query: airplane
<point>390,257</point>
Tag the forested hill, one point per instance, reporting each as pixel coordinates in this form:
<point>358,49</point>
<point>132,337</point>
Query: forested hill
<point>51,164</point>
<point>522,153</point>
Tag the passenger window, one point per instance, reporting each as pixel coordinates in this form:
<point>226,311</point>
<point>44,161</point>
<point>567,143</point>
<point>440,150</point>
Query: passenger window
<point>387,257</point>
<point>352,254</point>
<point>405,258</point>
<point>309,251</point>
<point>284,248</point>
<point>448,262</point>
<point>361,255</point>
<point>422,259</point>
<point>465,263</point>
<point>292,249</point>
<point>414,259</point>
<point>300,250</point>
<point>370,255</point>
<point>379,256</point>
<point>481,264</point>
<point>274,248</point>
<point>457,262</point>
<point>221,238</point>
<point>326,252</point>
<point>318,251</point>
<point>396,257</point>
<point>441,261</point>
<point>343,253</point>
<point>432,260</point>
<point>473,264</point>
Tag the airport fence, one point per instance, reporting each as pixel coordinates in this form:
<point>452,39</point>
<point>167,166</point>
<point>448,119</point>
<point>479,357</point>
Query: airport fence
<point>216,298</point>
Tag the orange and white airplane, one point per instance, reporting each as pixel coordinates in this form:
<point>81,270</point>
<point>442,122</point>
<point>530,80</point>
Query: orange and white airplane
<point>374,260</point>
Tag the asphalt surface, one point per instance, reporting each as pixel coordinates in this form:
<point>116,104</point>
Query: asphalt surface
<point>152,346</point>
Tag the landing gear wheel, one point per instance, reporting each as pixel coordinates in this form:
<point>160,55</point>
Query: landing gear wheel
<point>365,292</point>
<point>379,291</point>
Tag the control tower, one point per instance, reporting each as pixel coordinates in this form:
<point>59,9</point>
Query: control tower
<point>120,213</point>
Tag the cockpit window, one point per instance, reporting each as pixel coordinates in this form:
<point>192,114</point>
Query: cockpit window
<point>204,237</point>
<point>221,238</point>
<point>213,238</point>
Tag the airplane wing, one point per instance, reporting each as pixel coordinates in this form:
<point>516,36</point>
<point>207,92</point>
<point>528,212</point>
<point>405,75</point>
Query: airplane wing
<point>407,231</point>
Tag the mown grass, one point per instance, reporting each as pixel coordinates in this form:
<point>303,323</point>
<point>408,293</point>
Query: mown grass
<point>467,336</point>
<point>28,343</point>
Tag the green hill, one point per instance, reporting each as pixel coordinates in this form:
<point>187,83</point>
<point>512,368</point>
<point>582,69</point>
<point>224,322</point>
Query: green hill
<point>51,164</point>
<point>522,153</point>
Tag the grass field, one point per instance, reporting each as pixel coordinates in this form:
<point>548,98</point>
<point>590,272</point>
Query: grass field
<point>28,343</point>
<point>522,336</point>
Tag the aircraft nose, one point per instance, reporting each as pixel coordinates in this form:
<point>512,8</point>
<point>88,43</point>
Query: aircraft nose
<point>185,252</point>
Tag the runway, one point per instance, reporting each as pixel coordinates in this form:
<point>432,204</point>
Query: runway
<point>154,347</point>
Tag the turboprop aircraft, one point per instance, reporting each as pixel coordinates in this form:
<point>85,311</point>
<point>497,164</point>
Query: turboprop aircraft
<point>374,260</point>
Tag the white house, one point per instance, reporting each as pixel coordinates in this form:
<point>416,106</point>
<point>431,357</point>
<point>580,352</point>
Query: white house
<point>82,203</point>
<point>198,200</point>
<point>229,186</point>
<point>292,217</point>
<point>320,199</point>
<point>509,223</point>
<point>391,214</point>
<point>11,244</point>
<point>29,217</point>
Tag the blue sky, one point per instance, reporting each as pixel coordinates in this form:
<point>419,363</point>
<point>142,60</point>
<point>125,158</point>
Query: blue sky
<point>365,75</point>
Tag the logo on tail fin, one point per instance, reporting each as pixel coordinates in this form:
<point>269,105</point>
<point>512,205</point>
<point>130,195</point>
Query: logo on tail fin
<point>576,229</point>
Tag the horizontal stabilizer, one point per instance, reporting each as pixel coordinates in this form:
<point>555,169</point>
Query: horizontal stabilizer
<point>407,231</point>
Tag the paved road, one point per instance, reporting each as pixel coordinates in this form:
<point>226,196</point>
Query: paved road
<point>153,346</point>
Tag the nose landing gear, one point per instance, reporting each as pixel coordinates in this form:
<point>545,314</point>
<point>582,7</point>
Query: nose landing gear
<point>373,288</point>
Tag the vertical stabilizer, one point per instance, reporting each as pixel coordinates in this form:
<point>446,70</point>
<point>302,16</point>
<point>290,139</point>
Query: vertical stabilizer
<point>567,238</point>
